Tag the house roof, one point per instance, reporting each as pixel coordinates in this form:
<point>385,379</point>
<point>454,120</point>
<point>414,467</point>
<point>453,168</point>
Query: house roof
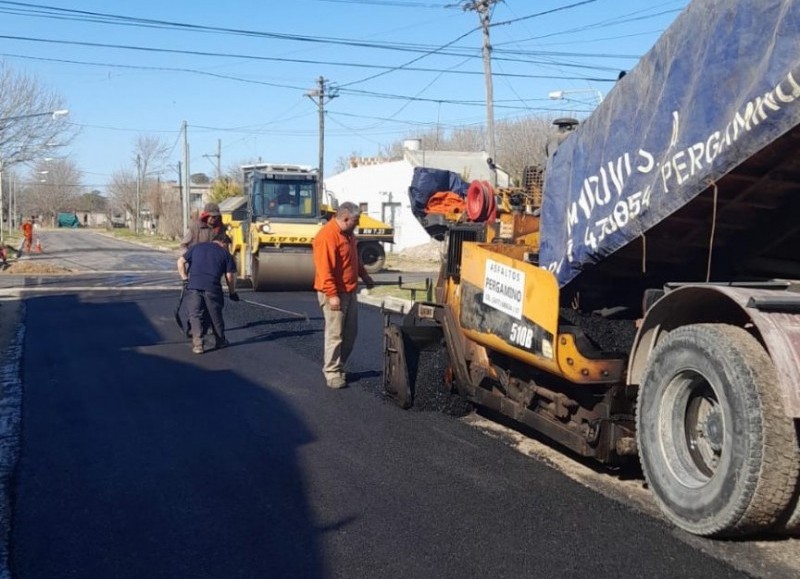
<point>470,165</point>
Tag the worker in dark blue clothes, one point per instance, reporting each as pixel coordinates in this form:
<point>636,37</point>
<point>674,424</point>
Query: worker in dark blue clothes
<point>201,268</point>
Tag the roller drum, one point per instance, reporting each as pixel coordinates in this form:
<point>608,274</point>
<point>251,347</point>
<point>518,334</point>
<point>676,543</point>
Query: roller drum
<point>286,269</point>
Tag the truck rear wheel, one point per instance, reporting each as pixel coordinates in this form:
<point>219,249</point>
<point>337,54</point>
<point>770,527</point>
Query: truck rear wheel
<point>371,256</point>
<point>715,444</point>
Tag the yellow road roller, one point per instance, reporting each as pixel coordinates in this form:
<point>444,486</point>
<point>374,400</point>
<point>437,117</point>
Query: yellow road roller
<point>274,222</point>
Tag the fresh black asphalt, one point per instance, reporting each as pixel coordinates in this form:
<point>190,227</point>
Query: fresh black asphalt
<point>140,459</point>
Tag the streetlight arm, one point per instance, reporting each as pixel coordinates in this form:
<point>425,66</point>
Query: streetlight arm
<point>55,114</point>
<point>558,95</point>
<point>27,136</point>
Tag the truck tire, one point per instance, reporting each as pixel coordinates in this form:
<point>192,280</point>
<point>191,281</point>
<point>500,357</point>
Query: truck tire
<point>716,446</point>
<point>371,256</point>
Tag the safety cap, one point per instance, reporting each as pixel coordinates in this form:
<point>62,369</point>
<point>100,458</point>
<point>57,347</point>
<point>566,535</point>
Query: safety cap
<point>211,209</point>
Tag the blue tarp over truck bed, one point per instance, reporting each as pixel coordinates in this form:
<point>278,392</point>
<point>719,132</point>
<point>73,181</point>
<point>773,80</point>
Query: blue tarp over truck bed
<point>695,153</point>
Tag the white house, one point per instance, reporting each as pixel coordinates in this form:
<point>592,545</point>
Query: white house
<point>380,188</point>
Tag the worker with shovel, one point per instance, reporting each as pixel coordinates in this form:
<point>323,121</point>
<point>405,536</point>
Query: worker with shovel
<point>202,229</point>
<point>201,269</point>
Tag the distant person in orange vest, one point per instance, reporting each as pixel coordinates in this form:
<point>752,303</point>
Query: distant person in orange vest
<point>336,273</point>
<point>27,234</point>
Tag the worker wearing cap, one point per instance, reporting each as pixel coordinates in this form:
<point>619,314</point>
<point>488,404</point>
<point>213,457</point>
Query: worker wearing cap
<point>201,268</point>
<point>205,227</point>
<point>336,273</point>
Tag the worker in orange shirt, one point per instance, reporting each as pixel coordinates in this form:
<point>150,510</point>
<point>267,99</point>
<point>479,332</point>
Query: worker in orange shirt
<point>336,274</point>
<point>27,234</point>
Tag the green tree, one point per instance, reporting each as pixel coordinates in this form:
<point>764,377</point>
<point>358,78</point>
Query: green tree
<point>93,201</point>
<point>223,188</point>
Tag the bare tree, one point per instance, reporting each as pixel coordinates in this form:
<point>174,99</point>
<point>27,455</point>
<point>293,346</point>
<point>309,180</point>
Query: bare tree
<point>432,140</point>
<point>27,126</point>
<point>520,143</point>
<point>344,163</point>
<point>150,156</point>
<point>54,186</point>
<point>122,190</point>
<point>469,139</point>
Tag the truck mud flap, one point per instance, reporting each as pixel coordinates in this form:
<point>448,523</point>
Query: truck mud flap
<point>403,345</point>
<point>395,368</point>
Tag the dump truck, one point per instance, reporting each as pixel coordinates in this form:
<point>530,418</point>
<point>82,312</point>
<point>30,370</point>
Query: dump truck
<point>648,310</point>
<point>274,222</point>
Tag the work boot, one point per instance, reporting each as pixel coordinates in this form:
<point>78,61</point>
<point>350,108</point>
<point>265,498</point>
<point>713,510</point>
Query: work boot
<point>197,346</point>
<point>337,383</point>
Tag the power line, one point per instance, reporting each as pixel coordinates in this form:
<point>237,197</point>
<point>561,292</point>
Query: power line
<point>106,18</point>
<point>596,25</point>
<point>386,69</point>
<point>392,3</point>
<point>538,14</point>
<point>103,18</point>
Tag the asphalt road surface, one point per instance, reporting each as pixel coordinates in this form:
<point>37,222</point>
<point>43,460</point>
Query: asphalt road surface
<point>137,458</point>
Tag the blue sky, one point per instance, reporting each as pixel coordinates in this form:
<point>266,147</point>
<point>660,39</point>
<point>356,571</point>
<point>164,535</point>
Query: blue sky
<point>248,90</point>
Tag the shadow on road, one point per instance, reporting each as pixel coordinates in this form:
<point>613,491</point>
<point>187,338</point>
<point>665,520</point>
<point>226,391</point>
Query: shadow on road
<point>134,465</point>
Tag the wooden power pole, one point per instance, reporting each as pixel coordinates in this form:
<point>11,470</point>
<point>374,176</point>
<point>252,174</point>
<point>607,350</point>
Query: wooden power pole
<point>321,95</point>
<point>483,8</point>
<point>218,157</point>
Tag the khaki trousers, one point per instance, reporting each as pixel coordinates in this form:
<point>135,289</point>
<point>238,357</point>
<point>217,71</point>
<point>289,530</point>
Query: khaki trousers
<point>341,329</point>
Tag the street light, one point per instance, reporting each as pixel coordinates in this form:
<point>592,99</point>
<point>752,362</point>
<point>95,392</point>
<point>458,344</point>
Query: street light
<point>558,95</point>
<point>54,114</point>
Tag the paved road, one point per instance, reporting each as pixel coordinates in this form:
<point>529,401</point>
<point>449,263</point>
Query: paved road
<point>95,259</point>
<point>138,458</point>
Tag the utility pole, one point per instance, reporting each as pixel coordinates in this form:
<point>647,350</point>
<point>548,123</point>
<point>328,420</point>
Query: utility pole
<point>483,8</point>
<point>321,95</point>
<point>14,203</point>
<point>218,156</point>
<point>180,192</point>
<point>1,202</point>
<point>138,191</point>
<point>187,188</point>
